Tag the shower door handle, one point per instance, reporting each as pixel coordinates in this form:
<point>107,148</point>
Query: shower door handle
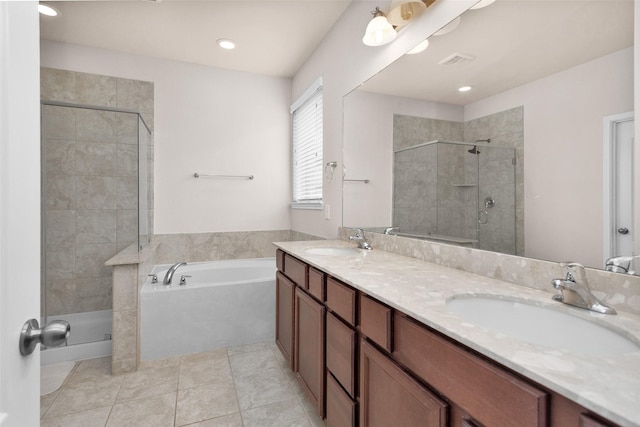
<point>55,333</point>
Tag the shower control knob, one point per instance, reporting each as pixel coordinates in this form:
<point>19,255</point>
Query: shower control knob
<point>55,333</point>
<point>623,230</point>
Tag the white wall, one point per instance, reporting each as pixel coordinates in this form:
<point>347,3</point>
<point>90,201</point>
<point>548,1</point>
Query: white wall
<point>563,144</point>
<point>368,151</point>
<point>344,62</point>
<point>207,120</point>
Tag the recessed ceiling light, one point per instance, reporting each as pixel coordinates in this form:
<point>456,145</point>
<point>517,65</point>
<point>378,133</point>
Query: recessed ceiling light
<point>226,44</point>
<point>464,88</point>
<point>47,10</point>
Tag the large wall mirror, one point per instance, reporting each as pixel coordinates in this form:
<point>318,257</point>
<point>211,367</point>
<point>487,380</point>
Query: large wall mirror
<point>534,160</point>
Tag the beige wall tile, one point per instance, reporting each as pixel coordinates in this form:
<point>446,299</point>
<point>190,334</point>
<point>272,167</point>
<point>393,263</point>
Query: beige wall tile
<point>60,192</point>
<point>96,125</point>
<point>124,334</point>
<point>60,227</point>
<point>57,85</point>
<point>97,192</point>
<point>127,192</point>
<point>60,156</point>
<point>91,257</point>
<point>125,287</point>
<point>94,89</point>
<point>96,159</point>
<point>96,226</point>
<point>135,95</point>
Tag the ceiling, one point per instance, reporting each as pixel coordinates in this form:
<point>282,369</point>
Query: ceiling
<point>513,42</point>
<point>273,38</point>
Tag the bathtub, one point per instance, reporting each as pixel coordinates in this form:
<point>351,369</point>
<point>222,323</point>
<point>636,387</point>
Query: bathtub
<point>224,303</point>
<point>90,337</point>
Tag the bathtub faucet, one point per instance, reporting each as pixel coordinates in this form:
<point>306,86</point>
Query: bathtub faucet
<point>170,271</point>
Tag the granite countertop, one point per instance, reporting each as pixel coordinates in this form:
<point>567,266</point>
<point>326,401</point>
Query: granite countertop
<point>606,385</point>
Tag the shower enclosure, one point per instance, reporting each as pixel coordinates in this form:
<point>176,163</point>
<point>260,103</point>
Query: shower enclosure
<point>95,203</point>
<point>457,192</point>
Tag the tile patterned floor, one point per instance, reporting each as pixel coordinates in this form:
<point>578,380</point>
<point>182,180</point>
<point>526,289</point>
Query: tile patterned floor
<point>243,386</point>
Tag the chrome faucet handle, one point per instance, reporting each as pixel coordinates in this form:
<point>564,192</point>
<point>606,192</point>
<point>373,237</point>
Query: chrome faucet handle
<point>359,237</point>
<point>575,272</point>
<point>183,279</point>
<point>154,277</point>
<point>359,234</point>
<point>390,230</point>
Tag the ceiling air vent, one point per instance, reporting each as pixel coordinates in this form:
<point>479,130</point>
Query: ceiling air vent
<point>457,58</point>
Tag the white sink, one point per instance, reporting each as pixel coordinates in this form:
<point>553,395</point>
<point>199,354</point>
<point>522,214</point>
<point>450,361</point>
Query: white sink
<point>540,325</point>
<point>333,251</point>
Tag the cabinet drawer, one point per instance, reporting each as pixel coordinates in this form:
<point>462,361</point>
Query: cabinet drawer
<point>341,410</point>
<point>375,321</point>
<point>280,260</point>
<point>341,299</point>
<point>316,283</point>
<point>390,397</point>
<point>296,270</point>
<point>491,395</point>
<point>341,352</point>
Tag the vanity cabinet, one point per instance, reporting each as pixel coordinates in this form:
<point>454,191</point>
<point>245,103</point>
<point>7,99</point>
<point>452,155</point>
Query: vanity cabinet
<point>364,363</point>
<point>300,324</point>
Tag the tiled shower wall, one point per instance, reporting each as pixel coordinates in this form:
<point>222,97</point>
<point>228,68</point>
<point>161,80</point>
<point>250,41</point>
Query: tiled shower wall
<point>421,207</point>
<point>90,189</point>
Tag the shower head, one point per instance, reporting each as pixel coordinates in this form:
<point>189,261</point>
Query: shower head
<point>474,150</point>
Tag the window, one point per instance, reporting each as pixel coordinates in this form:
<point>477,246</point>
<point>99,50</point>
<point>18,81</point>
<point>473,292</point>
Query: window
<point>307,148</point>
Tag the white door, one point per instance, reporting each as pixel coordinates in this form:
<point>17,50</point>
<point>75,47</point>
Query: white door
<point>618,185</point>
<point>19,209</point>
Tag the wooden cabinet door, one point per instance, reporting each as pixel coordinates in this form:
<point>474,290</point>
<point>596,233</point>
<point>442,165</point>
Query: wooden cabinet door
<point>390,397</point>
<point>284,317</point>
<point>341,410</point>
<point>309,347</point>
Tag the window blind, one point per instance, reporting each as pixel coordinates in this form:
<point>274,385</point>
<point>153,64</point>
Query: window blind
<point>307,147</point>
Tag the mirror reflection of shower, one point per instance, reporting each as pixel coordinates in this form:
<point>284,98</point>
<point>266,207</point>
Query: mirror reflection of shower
<point>442,194</point>
<point>475,149</point>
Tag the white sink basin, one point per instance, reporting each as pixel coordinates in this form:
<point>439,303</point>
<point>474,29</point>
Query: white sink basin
<point>541,325</point>
<point>333,251</point>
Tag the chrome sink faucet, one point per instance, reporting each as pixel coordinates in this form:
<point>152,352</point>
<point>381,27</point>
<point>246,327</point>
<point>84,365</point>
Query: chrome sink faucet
<point>169,275</point>
<point>574,290</point>
<point>620,264</point>
<point>358,237</point>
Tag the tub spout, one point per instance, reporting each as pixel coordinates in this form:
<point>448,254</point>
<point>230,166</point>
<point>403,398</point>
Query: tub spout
<point>170,271</point>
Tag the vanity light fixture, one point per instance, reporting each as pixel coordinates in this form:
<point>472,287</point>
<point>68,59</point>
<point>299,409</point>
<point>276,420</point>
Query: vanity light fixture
<point>47,10</point>
<point>226,44</point>
<point>464,88</point>
<point>379,31</point>
<point>403,11</point>
<point>419,48</point>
